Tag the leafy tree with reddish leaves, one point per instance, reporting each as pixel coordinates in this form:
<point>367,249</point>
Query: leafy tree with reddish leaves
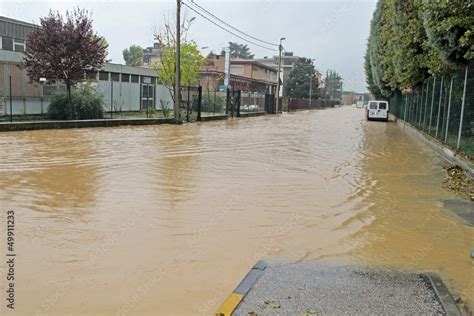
<point>64,48</point>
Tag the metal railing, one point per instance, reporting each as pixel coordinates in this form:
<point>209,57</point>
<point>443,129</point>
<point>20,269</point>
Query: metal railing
<point>442,107</point>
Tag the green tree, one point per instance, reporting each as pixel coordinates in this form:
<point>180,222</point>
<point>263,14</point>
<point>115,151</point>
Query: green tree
<point>133,55</point>
<point>450,29</point>
<point>374,56</point>
<point>101,40</point>
<point>239,51</point>
<point>411,40</point>
<point>299,80</point>
<point>333,85</point>
<point>191,62</point>
<point>399,54</point>
<point>211,54</point>
<point>371,85</point>
<point>191,58</point>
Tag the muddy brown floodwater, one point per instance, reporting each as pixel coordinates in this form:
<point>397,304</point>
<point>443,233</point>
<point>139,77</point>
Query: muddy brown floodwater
<point>166,220</point>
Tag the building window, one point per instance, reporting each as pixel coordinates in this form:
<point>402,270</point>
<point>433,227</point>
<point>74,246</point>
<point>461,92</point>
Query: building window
<point>147,92</point>
<point>146,80</point>
<point>114,76</point>
<point>7,43</point>
<point>125,78</point>
<point>104,76</point>
<point>91,76</point>
<point>147,96</point>
<point>19,45</point>
<point>237,70</point>
<point>50,89</point>
<point>134,78</point>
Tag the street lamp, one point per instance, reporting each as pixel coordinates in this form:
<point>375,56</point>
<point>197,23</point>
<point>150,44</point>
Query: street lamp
<point>280,48</point>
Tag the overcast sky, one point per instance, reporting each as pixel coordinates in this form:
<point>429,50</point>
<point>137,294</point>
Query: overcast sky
<point>334,32</point>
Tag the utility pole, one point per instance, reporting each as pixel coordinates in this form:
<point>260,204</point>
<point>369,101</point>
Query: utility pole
<point>177,88</point>
<point>311,85</point>
<point>280,48</point>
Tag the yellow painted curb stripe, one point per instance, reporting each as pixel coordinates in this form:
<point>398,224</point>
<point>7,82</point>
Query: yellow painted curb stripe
<point>229,305</point>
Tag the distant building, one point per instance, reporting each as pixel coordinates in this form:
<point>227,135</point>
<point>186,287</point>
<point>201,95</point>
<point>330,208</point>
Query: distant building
<point>123,87</point>
<point>151,54</point>
<point>288,61</point>
<point>350,97</point>
<point>246,75</point>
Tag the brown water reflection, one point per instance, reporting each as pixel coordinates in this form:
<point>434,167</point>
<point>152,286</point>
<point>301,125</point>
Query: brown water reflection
<point>167,219</point>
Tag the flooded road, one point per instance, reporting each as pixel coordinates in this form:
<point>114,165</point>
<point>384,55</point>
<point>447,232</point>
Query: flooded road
<point>166,220</point>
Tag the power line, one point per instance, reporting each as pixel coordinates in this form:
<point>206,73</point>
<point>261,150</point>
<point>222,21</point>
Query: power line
<point>228,31</point>
<point>232,27</point>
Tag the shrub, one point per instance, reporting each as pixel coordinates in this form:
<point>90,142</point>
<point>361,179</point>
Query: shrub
<point>86,103</point>
<point>57,109</point>
<point>150,111</point>
<point>212,103</point>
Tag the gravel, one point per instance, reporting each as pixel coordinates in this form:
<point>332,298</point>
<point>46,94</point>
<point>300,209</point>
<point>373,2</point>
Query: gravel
<point>309,288</point>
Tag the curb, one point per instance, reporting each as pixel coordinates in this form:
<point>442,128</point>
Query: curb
<point>252,114</point>
<point>442,150</point>
<point>442,293</point>
<point>213,118</point>
<point>234,299</point>
<point>43,125</point>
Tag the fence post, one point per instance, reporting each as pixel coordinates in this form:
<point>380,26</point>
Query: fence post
<point>199,103</point>
<point>408,107</point>
<point>420,106</point>
<point>449,109</point>
<point>11,101</point>
<point>187,104</point>
<point>214,104</point>
<point>426,103</point>
<point>227,101</point>
<point>237,101</point>
<point>439,104</point>
<point>405,111</point>
<point>462,108</point>
<point>112,99</point>
<point>232,103</point>
<point>432,103</point>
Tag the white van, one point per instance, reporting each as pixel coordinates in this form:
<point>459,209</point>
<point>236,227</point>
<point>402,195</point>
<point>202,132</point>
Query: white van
<point>377,110</point>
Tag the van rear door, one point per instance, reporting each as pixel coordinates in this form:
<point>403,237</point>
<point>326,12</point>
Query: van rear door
<point>382,110</point>
<point>372,109</point>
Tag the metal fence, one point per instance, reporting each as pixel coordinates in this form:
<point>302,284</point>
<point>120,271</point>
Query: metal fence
<point>134,93</point>
<point>213,102</point>
<point>253,102</point>
<point>442,107</point>
<point>307,104</point>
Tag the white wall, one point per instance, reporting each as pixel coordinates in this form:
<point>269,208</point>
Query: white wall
<point>128,94</point>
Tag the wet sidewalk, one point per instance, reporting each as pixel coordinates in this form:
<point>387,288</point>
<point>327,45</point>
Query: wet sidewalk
<point>311,288</point>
